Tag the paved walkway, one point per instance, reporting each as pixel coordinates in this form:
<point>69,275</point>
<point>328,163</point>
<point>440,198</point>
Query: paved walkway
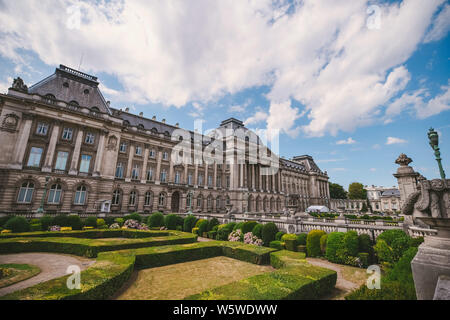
<point>343,286</point>
<point>52,266</point>
<point>201,239</point>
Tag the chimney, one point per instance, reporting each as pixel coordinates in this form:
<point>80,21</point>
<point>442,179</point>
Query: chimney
<point>141,114</point>
<point>163,120</point>
<point>154,118</point>
<point>177,125</point>
<point>127,109</point>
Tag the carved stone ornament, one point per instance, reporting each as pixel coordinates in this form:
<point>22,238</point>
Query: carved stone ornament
<point>10,122</point>
<point>112,143</point>
<point>19,85</point>
<point>403,160</point>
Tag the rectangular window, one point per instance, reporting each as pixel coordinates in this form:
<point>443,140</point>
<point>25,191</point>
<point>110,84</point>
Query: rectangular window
<point>89,138</point>
<point>138,151</point>
<point>210,181</point>
<point>34,159</point>
<point>61,160</point>
<point>67,134</point>
<point>123,147</point>
<point>228,181</point>
<point>152,153</point>
<point>163,176</point>
<point>150,174</point>
<point>85,163</point>
<point>200,179</point>
<point>135,172</point>
<point>218,182</point>
<point>189,179</point>
<point>165,156</point>
<point>42,128</point>
<point>119,170</point>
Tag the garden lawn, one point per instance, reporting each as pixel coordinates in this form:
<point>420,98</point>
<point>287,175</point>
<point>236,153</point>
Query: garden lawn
<point>17,272</point>
<point>180,280</point>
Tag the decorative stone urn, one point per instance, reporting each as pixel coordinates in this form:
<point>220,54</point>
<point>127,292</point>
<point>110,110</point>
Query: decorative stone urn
<point>431,206</point>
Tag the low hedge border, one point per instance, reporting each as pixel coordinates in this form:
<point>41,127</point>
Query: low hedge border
<point>92,234</point>
<point>87,247</point>
<point>294,279</point>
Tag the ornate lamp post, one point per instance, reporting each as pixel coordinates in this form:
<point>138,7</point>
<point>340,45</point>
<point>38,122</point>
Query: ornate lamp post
<point>434,143</point>
<point>40,210</point>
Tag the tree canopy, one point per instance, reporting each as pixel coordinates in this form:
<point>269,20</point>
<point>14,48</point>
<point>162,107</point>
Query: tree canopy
<point>356,191</point>
<point>337,191</point>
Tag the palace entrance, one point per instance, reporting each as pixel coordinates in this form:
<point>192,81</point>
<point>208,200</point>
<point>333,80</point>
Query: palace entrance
<point>175,202</point>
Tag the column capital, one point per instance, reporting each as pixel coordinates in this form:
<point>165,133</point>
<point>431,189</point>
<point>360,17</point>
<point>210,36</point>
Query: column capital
<point>28,116</point>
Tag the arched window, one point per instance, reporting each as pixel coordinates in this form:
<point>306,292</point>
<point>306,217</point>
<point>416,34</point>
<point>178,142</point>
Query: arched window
<point>126,123</point>
<point>116,197</point>
<point>80,195</point>
<point>74,103</point>
<point>132,201</point>
<point>209,202</point>
<point>162,199</point>
<point>154,130</point>
<point>199,201</point>
<point>54,195</point>
<point>218,203</point>
<point>50,98</point>
<point>140,127</point>
<point>26,192</point>
<point>167,134</point>
<point>148,199</point>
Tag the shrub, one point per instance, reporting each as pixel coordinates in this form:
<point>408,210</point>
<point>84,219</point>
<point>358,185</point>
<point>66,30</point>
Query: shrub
<point>17,224</point>
<point>334,240</point>
<point>268,233</point>
<point>236,236</point>
<point>195,231</point>
<point>223,231</point>
<point>313,243</point>
<point>46,222</point>
<point>364,259</point>
<point>74,221</point>
<point>248,226</point>
<point>134,216</point>
<point>120,221</point>
<point>90,222</point>
<point>3,220</point>
<point>257,230</point>
<point>231,225</point>
<point>61,220</point>
<point>238,226</point>
<point>156,220</point>
<point>35,227</point>
<point>115,225</point>
<point>323,243</point>
<point>34,221</point>
<point>390,245</point>
<point>170,221</point>
<point>189,223</point>
<point>212,234</point>
<point>301,248</point>
<point>279,235</point>
<point>101,224</point>
<point>276,244</point>
<point>202,227</point>
<point>415,242</point>
<point>109,220</point>
<point>179,228</point>
<point>301,239</point>
<point>364,243</point>
<point>198,222</point>
<point>350,243</point>
<point>180,222</point>
<point>212,223</point>
<point>290,241</point>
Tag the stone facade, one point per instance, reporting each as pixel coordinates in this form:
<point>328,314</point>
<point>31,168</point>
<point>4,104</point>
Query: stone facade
<point>61,137</point>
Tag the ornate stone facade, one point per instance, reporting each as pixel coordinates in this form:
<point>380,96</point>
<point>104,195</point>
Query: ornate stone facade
<point>101,159</point>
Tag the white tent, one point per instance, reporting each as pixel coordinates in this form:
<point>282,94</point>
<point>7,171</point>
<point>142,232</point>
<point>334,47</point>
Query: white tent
<point>317,209</point>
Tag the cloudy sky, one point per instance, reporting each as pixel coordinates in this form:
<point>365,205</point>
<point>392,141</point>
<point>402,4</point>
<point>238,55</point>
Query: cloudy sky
<point>351,83</point>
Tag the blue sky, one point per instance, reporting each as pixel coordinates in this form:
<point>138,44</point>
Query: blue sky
<point>353,84</point>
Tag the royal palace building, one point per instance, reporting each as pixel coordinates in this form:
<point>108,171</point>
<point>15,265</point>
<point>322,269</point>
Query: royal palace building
<point>64,149</point>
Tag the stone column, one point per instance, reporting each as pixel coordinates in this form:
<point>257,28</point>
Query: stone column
<point>171,173</point>
<point>51,148</point>
<point>196,175</point>
<point>76,154</point>
<point>253,176</point>
<point>158,167</point>
<point>186,173</point>
<point>130,163</point>
<point>144,166</point>
<point>22,142</point>
<point>215,175</point>
<point>99,155</point>
<point>241,175</point>
<point>206,176</point>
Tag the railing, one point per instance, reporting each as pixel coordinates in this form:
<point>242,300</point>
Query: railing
<point>416,232</point>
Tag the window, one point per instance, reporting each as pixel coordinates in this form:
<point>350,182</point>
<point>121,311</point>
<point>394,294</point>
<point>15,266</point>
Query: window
<point>189,200</point>
<point>177,177</point>
<point>218,203</point>
<point>89,138</point>
<point>189,179</point>
<point>42,128</point>
<point>200,179</point>
<point>161,199</point>
<point>228,201</point>
<point>116,197</point>
<point>163,175</point>
<point>119,170</point>
<point>34,160</point>
<point>152,153</point>
<point>228,181</point>
<point>135,172</point>
<point>210,181</point>
<point>199,201</point>
<point>61,160</point>
<point>150,174</point>
<point>67,134</point>
<point>85,163</point>
<point>148,199</point>
<point>132,201</point>
<point>26,192</point>
<point>123,147</point>
<point>80,195</point>
<point>165,156</point>
<point>209,202</point>
<point>218,181</point>
<point>138,151</point>
<point>54,195</point>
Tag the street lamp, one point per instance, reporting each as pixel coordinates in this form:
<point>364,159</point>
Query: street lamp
<point>434,143</point>
<point>40,210</point>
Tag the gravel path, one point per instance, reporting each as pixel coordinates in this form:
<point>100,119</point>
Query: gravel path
<point>52,266</point>
<point>343,286</point>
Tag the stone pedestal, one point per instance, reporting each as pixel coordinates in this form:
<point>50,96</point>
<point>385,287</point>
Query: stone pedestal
<point>431,261</point>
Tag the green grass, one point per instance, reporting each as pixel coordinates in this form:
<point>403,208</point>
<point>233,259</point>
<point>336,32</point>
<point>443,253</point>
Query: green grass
<point>17,273</point>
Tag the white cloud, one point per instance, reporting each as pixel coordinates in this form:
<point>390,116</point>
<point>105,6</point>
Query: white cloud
<point>338,169</point>
<point>394,140</point>
<point>236,109</point>
<point>177,52</point>
<point>441,25</point>
<point>329,160</point>
<point>4,86</point>
<point>348,141</point>
<point>258,117</point>
<point>373,169</point>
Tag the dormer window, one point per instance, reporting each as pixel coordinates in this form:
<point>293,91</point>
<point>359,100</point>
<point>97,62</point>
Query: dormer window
<point>126,123</point>
<point>154,130</point>
<point>50,98</point>
<point>74,103</point>
<point>141,127</point>
<point>95,109</point>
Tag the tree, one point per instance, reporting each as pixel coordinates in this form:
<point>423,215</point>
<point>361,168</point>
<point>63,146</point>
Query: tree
<point>337,191</point>
<point>356,191</point>
<point>364,208</point>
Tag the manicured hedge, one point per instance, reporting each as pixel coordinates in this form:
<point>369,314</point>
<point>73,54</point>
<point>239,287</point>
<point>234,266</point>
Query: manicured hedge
<point>301,239</point>
<point>17,224</point>
<point>313,243</point>
<point>202,227</point>
<point>290,241</point>
<point>171,221</point>
<point>156,220</point>
<point>268,233</point>
<point>189,223</point>
<point>212,223</point>
<point>257,230</point>
<point>279,235</point>
<point>93,234</point>
<point>333,244</point>
<point>323,244</point>
<point>285,258</point>
<point>248,226</point>
<point>276,245</point>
